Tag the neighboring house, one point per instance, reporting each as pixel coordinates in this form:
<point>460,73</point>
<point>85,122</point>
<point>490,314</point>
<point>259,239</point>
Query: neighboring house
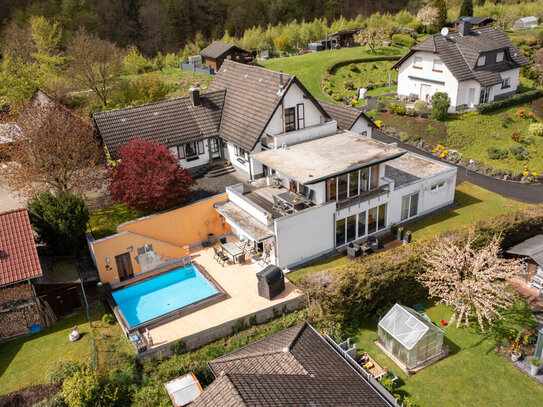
<point>474,22</point>
<point>471,66</point>
<point>244,108</point>
<point>216,53</point>
<point>531,250</point>
<point>345,38</point>
<point>19,265</point>
<point>526,23</point>
<point>295,367</point>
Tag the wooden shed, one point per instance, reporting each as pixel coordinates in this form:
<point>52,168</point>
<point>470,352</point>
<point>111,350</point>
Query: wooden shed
<point>218,51</point>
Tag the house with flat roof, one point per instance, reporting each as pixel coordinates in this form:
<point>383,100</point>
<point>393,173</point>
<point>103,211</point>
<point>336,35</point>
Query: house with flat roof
<point>472,66</point>
<point>294,367</point>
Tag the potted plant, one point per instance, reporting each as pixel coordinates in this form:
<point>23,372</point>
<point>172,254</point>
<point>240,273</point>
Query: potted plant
<point>407,237</point>
<point>515,355</point>
<point>535,362</point>
<point>393,229</point>
<point>399,234</point>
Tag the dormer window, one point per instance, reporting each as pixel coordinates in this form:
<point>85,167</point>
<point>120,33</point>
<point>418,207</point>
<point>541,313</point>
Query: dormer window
<point>499,57</point>
<point>418,63</point>
<point>438,65</point>
<point>481,61</point>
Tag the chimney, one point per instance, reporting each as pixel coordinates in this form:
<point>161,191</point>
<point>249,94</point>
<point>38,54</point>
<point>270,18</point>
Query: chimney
<point>463,27</point>
<point>195,96</point>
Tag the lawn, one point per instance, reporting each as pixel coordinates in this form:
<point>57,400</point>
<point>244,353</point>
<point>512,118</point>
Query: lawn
<point>474,203</point>
<point>24,361</point>
<point>345,81</point>
<point>309,68</point>
<point>104,222</point>
<point>473,374</point>
<point>465,133</point>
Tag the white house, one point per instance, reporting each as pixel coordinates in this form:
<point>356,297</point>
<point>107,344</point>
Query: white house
<point>244,109</point>
<point>472,66</point>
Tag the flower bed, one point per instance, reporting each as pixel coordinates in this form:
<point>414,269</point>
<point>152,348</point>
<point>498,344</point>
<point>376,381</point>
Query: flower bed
<point>521,342</point>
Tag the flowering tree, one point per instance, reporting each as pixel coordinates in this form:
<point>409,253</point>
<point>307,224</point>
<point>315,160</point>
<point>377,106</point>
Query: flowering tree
<point>428,16</point>
<point>147,177</point>
<point>371,37</point>
<point>470,280</point>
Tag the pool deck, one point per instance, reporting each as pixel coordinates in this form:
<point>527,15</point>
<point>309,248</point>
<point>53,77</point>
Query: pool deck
<point>240,283</point>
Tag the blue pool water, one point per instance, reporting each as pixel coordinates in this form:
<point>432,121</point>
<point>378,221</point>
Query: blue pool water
<point>162,294</point>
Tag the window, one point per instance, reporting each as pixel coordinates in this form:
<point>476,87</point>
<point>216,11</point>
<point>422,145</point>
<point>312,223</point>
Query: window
<point>240,152</point>
<point>418,63</point>
<point>331,189</point>
<point>190,150</point>
<point>410,206</point>
<point>353,183</point>
<point>364,179</point>
<point>374,176</point>
<point>382,218</point>
<point>438,65</point>
<point>145,249</point>
<point>506,83</point>
<point>180,152</point>
<point>481,61</point>
<point>342,187</point>
<point>290,119</point>
<point>362,224</point>
<point>340,232</point>
<point>351,228</point>
<point>301,116</point>
<point>499,57</point>
<point>372,220</point>
<point>438,186</point>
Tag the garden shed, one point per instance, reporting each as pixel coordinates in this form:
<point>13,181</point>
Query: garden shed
<point>409,337</point>
<point>526,23</point>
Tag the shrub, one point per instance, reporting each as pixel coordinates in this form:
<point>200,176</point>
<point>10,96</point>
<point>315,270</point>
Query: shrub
<point>381,107</point>
<point>416,138</point>
<point>403,40</point>
<point>401,29</point>
<point>536,130</point>
<point>61,369</point>
<point>108,319</point>
<point>411,112</point>
<point>349,85</point>
<point>420,106</point>
<point>60,221</point>
<point>372,114</point>
<point>517,99</point>
<point>505,119</point>
<point>88,389</point>
<point>55,401</point>
<point>519,152</point>
<point>516,136</point>
<point>353,67</point>
<point>496,153</point>
<point>440,105</point>
<point>178,347</point>
<point>400,109</point>
<point>540,37</point>
<point>148,89</point>
<point>404,137</point>
<point>521,113</point>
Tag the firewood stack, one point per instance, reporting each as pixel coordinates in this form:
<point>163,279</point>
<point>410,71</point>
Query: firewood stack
<point>18,310</point>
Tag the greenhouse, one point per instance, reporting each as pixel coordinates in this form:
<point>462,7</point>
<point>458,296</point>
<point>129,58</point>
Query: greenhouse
<point>409,337</point>
<point>526,23</point>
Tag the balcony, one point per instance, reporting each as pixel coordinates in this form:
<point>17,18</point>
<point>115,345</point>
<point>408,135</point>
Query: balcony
<point>362,197</point>
<point>300,135</point>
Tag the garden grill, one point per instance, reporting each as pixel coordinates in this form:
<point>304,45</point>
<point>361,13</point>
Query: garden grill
<point>271,282</point>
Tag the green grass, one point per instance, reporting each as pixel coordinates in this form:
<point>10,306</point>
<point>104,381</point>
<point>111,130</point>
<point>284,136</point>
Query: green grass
<point>309,68</point>
<point>104,222</point>
<point>474,204</point>
<point>432,131</point>
<point>473,374</point>
<point>24,361</point>
<point>366,73</point>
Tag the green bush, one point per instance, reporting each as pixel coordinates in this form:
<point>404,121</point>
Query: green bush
<point>536,130</point>
<point>89,389</point>
<point>440,105</point>
<point>540,38</point>
<point>401,29</point>
<point>108,319</point>
<point>55,401</point>
<point>179,347</point>
<point>420,106</point>
<point>519,152</point>
<point>60,221</point>
<point>148,89</point>
<point>372,114</point>
<point>152,395</point>
<point>404,137</point>
<point>416,138</point>
<point>400,109</point>
<point>515,100</point>
<point>381,106</point>
<point>61,369</point>
<point>411,112</point>
<point>403,40</point>
<point>496,153</point>
<point>349,85</point>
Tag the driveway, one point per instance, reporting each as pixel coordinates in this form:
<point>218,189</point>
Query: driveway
<point>521,192</point>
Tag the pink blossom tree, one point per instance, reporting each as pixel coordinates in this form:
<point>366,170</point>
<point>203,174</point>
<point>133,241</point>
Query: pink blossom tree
<point>147,177</point>
<point>470,280</point>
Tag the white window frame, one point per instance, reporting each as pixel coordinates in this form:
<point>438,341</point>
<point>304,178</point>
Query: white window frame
<point>500,57</point>
<point>418,59</point>
<point>438,186</point>
<point>481,61</point>
<point>410,202</point>
<point>438,65</point>
<point>506,83</point>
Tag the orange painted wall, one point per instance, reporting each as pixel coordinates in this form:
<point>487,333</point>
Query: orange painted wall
<point>118,244</point>
<point>184,226</point>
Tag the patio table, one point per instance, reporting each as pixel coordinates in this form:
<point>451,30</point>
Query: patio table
<point>233,250</point>
<point>288,198</point>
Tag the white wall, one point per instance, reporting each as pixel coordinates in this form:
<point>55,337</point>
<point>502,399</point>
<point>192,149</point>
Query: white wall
<point>360,126</point>
<point>201,160</point>
<point>306,134</point>
<point>513,74</point>
<point>248,206</point>
<point>406,86</point>
<point>463,92</point>
<point>305,235</point>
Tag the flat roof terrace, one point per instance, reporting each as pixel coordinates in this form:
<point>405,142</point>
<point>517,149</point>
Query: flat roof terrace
<point>317,160</point>
<point>411,167</point>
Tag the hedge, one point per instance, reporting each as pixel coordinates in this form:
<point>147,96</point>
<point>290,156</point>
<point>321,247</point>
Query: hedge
<point>512,101</point>
<point>403,39</point>
<point>331,69</point>
<point>357,290</point>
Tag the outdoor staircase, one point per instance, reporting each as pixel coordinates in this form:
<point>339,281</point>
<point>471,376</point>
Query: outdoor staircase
<point>220,168</point>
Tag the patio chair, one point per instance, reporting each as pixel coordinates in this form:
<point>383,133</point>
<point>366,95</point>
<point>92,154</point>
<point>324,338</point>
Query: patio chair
<point>223,258</point>
<point>285,209</point>
<point>373,243</point>
<point>223,240</point>
<point>277,182</point>
<point>276,204</point>
<point>264,260</point>
<point>353,250</point>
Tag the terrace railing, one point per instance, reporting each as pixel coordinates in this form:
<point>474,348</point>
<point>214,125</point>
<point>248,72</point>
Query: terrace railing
<point>362,197</point>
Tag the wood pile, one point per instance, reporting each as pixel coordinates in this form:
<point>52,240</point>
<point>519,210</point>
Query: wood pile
<point>18,310</point>
<point>15,293</point>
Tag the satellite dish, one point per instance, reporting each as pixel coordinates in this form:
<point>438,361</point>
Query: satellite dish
<point>444,31</point>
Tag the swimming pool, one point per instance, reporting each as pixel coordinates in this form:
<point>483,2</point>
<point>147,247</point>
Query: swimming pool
<point>162,294</point>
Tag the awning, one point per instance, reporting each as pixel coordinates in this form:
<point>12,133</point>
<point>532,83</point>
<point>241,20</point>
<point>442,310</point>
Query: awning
<point>240,219</point>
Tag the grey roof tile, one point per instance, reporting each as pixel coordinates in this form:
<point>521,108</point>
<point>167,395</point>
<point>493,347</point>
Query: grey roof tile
<point>345,116</point>
<point>218,48</point>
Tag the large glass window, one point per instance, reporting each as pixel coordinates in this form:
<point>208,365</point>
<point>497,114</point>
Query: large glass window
<point>351,228</point>
<point>190,150</point>
<point>364,179</point>
<point>353,183</point>
<point>340,232</point>
<point>290,119</point>
<point>342,187</point>
<point>410,206</point>
<point>375,176</point>
<point>331,189</point>
<point>362,224</point>
<point>382,220</point>
<point>372,220</point>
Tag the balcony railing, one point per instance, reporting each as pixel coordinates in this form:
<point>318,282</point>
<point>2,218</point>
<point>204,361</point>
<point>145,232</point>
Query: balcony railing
<point>364,196</point>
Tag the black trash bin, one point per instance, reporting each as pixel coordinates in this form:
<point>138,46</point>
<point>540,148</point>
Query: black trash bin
<point>271,282</point>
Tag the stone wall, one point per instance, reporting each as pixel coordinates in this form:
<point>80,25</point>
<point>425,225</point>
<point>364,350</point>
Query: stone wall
<point>18,310</point>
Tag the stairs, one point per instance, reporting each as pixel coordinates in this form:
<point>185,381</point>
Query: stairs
<point>219,169</point>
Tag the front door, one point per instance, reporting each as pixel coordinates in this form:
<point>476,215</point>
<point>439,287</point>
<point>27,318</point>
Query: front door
<point>124,266</point>
<point>425,91</point>
<point>214,148</point>
<point>471,97</point>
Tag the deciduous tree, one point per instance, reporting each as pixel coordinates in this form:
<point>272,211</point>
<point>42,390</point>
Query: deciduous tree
<point>470,280</point>
<point>148,177</point>
<point>371,37</point>
<point>428,16</point>
<point>94,63</point>
<point>55,150</point>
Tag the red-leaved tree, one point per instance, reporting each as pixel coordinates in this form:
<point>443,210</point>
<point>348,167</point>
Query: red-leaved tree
<point>147,177</point>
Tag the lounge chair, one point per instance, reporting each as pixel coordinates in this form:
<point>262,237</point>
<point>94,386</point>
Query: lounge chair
<point>353,250</point>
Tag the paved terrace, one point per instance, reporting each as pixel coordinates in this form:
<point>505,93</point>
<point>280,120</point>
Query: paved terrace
<point>240,283</point>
